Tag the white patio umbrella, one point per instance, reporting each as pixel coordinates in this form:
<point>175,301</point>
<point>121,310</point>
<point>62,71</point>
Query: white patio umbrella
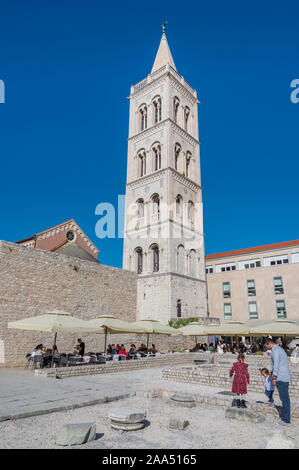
<point>228,329</point>
<point>277,327</point>
<point>153,326</point>
<point>56,321</point>
<point>194,329</point>
<point>113,325</point>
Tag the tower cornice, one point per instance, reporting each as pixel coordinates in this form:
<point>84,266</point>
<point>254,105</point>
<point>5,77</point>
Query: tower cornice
<point>143,87</point>
<point>156,127</point>
<point>144,180</point>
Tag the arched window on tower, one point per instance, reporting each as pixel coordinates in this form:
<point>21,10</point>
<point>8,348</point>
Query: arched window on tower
<point>155,208</point>
<point>186,117</point>
<point>192,263</point>
<point>142,162</point>
<point>143,117</point>
<point>190,212</point>
<point>177,151</point>
<point>155,257</point>
<point>179,308</point>
<point>176,104</point>
<point>188,161</point>
<point>178,206</point>
<point>139,260</point>
<point>140,208</point>
<point>157,109</point>
<point>157,157</point>
<point>181,259</point>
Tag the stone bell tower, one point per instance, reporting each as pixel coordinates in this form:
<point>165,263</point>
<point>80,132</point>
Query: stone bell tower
<point>163,221</point>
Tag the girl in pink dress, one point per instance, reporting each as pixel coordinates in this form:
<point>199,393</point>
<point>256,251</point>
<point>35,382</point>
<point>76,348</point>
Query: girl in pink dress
<point>241,379</point>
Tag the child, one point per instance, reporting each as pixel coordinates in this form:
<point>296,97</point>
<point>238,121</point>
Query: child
<point>269,389</point>
<point>241,378</point>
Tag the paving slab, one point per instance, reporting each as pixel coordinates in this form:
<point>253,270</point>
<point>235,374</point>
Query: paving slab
<point>21,392</point>
<point>202,433</point>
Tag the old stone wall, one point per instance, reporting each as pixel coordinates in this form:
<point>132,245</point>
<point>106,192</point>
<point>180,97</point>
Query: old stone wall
<point>118,366</point>
<point>162,292</point>
<point>33,281</point>
<point>218,376</point>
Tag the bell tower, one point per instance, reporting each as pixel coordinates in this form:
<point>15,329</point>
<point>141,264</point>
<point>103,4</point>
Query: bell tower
<point>164,240</point>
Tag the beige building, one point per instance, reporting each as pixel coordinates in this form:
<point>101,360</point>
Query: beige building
<point>254,283</point>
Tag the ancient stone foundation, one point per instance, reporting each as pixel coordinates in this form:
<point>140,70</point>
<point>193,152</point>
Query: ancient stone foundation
<point>218,376</point>
<point>117,366</point>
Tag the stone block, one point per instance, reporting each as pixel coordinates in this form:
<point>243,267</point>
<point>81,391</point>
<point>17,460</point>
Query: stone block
<point>126,420</point>
<point>180,424</point>
<point>126,416</point>
<point>75,434</point>
<point>126,426</point>
<point>243,414</point>
<point>183,400</point>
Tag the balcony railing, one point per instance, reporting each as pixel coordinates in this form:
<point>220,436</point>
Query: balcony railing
<point>140,222</point>
<point>155,218</point>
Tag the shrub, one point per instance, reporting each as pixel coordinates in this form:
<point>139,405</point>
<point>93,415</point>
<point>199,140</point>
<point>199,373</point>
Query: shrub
<point>182,322</point>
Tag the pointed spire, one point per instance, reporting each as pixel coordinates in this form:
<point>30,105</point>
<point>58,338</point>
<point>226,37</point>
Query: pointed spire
<point>163,56</point>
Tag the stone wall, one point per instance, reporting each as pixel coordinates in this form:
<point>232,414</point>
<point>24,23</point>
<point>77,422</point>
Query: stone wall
<point>33,281</point>
<point>117,366</point>
<point>162,292</point>
<point>218,376</point>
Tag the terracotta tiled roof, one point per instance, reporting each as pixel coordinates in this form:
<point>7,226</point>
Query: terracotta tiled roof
<point>38,237</point>
<point>44,231</point>
<point>272,246</point>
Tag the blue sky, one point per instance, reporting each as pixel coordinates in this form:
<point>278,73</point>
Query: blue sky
<point>68,67</point>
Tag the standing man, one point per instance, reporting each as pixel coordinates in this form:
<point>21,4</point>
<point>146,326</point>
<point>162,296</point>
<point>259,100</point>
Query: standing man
<point>281,378</point>
<point>81,347</point>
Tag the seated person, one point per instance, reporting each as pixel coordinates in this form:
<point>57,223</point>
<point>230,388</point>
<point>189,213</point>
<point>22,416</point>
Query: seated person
<point>133,351</point>
<point>37,351</point>
<point>153,349</point>
<point>109,349</point>
<point>211,347</point>
<point>113,350</point>
<point>117,348</point>
<point>142,349</point>
<point>40,351</point>
<point>123,352</point>
<point>47,357</point>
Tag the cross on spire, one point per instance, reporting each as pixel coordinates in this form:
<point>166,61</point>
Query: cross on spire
<point>163,56</point>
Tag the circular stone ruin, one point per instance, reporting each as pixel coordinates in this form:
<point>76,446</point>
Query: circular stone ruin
<point>126,420</point>
<point>183,400</point>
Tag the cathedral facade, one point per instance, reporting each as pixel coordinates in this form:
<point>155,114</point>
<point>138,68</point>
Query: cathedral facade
<point>164,241</point>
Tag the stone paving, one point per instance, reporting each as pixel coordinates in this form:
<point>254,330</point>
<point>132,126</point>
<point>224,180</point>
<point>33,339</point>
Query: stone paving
<point>22,394</point>
<point>208,429</point>
<point>34,401</point>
